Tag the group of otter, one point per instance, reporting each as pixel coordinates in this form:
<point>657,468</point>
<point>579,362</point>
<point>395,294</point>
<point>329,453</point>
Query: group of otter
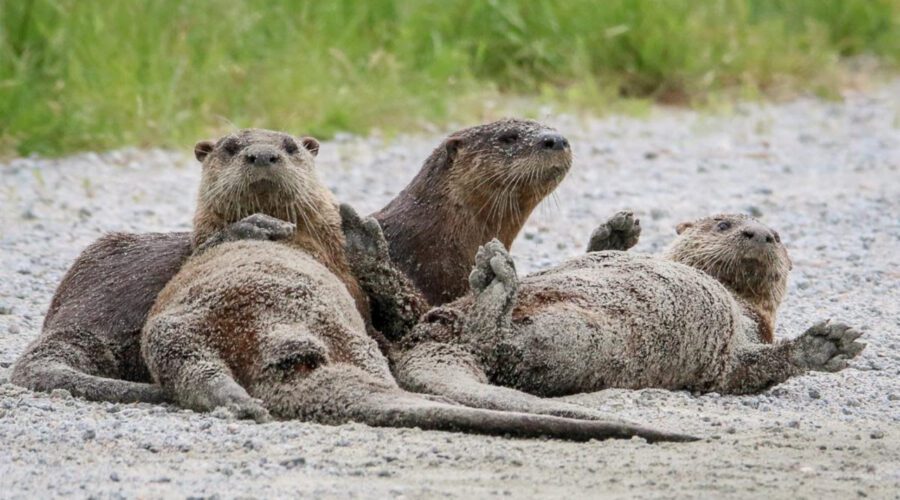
<point>282,303</point>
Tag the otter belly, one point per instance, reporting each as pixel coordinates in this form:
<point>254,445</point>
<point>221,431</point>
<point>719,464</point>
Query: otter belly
<point>613,319</point>
<point>238,294</point>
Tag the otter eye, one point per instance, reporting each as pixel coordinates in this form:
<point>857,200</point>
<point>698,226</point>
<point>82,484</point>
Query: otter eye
<point>723,225</point>
<point>231,146</point>
<point>509,138</point>
<point>290,147</point>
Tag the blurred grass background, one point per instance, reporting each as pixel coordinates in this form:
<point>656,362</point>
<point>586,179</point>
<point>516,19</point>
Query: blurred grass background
<point>97,74</point>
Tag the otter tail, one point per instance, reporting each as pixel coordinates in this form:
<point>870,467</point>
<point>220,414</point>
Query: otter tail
<point>337,394</point>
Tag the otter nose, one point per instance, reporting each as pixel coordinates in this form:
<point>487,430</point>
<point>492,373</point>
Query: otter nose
<point>262,157</point>
<point>758,234</point>
<point>553,141</point>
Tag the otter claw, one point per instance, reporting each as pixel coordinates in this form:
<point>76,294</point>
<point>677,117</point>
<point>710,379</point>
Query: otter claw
<point>619,232</point>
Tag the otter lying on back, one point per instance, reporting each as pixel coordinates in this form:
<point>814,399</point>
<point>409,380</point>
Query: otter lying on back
<point>614,319</point>
<point>269,327</point>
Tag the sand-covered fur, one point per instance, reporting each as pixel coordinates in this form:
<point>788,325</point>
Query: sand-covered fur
<point>611,319</point>
<point>262,328</point>
<point>89,343</point>
<point>266,328</point>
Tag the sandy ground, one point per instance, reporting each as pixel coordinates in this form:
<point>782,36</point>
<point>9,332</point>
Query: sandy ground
<point>825,174</point>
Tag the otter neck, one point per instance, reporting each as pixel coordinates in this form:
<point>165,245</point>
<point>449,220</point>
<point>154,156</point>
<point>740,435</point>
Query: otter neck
<point>763,315</point>
<point>759,293</point>
<point>318,232</point>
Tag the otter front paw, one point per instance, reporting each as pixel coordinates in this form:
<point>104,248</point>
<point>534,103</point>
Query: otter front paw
<point>493,265</point>
<point>253,227</point>
<point>827,347</point>
<point>620,232</point>
<point>364,238</point>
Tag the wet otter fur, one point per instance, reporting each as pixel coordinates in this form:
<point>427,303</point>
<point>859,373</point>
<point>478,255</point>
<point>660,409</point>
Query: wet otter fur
<point>615,319</point>
<point>481,183</point>
<point>269,328</point>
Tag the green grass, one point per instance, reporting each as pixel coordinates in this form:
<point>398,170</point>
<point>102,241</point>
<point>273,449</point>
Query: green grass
<point>86,74</point>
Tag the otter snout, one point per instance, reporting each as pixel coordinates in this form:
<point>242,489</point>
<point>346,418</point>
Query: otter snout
<point>553,141</point>
<point>261,155</point>
<point>757,233</point>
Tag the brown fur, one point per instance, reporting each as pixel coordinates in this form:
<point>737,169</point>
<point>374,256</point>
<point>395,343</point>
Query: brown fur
<point>90,343</point>
<point>104,299</point>
<point>289,190</point>
<point>261,327</point>
<point>480,183</point>
<point>614,319</point>
<point>742,254</point>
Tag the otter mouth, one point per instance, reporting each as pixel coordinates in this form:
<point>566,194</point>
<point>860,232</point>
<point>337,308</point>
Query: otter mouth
<point>756,259</point>
<point>552,173</point>
<point>263,186</point>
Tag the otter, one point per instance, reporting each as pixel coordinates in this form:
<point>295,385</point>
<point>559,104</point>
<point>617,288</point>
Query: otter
<point>693,320</point>
<point>272,329</point>
<point>480,183</point>
<point>735,249</point>
<point>89,342</point>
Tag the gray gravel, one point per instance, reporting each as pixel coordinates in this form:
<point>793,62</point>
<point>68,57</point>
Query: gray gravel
<point>825,174</point>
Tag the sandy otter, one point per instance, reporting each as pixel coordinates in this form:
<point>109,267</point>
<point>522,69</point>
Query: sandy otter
<point>89,342</point>
<point>614,319</point>
<point>267,327</point>
<point>480,183</point>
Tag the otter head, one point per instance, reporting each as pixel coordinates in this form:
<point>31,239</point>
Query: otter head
<point>258,171</point>
<point>500,171</point>
<point>740,252</point>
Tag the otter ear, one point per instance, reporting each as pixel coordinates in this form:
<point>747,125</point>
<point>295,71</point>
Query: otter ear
<point>452,144</point>
<point>311,145</point>
<point>202,149</point>
<point>681,227</point>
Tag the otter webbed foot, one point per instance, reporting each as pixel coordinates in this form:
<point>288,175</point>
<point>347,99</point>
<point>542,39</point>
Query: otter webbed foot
<point>253,227</point>
<point>827,346</point>
<point>619,232</point>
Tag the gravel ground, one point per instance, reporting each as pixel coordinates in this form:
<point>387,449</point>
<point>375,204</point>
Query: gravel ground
<point>825,174</point>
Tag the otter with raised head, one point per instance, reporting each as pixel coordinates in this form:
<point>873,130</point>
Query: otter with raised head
<point>614,319</point>
<point>266,327</point>
<point>481,183</point>
<point>89,344</point>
